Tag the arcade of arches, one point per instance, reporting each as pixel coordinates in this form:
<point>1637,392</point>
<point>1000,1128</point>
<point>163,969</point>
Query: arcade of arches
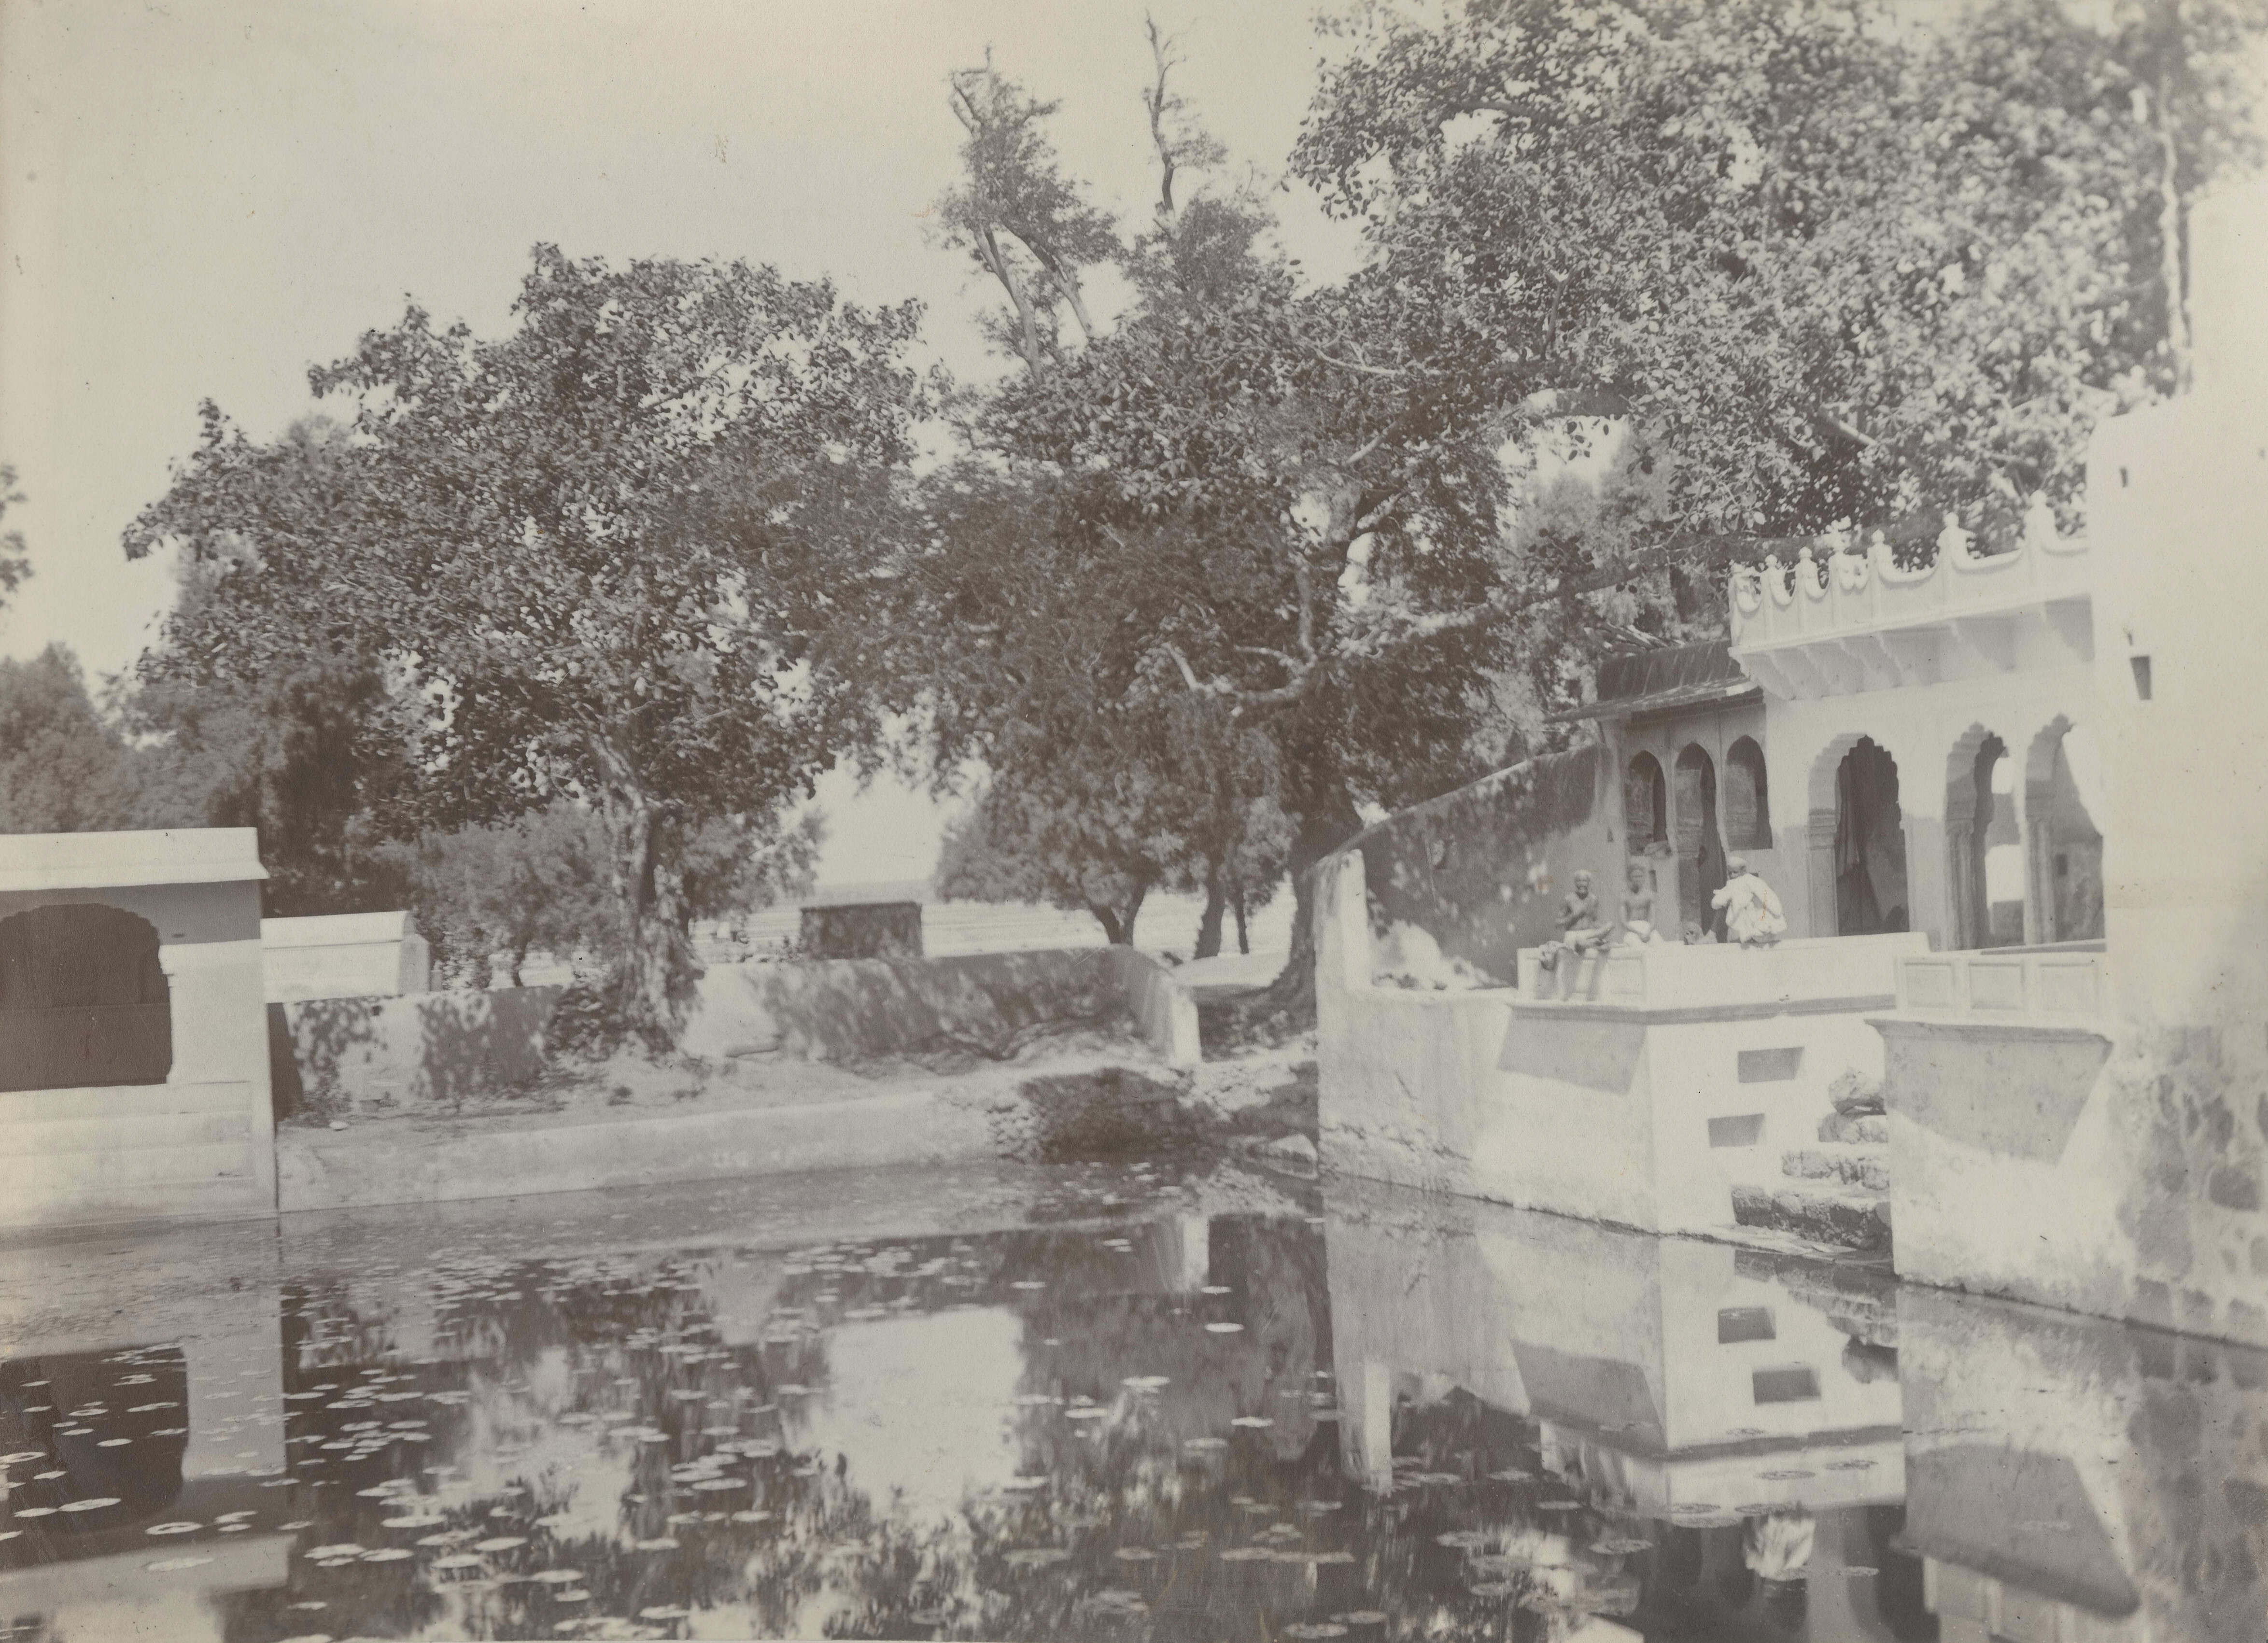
<point>2023,854</point>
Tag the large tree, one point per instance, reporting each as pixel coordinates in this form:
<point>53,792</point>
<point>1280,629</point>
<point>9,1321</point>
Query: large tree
<point>593,557</point>
<point>1832,270</point>
<point>1239,499</point>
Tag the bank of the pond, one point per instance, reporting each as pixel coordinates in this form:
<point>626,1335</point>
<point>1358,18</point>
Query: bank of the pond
<point>1101,1101</point>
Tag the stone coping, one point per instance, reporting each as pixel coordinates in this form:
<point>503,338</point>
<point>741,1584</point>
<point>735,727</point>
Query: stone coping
<point>1713,977</point>
<point>335,930</point>
<point>94,861</point>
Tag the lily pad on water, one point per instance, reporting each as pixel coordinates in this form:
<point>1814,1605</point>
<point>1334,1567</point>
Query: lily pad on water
<point>387,1554</point>
<point>22,1455</point>
<point>1135,1554</point>
<point>173,1528</point>
<point>1225,1329</point>
<point>1246,1554</point>
<point>344,1549</point>
<point>660,1542</point>
<point>93,1504</point>
<point>1252,1420</point>
<point>1463,1539</point>
<point>557,1577</point>
<point>1363,1617</point>
<point>501,1543</point>
<point>421,1521</point>
<point>171,1566</point>
<point>1204,1443</point>
<point>35,1511</point>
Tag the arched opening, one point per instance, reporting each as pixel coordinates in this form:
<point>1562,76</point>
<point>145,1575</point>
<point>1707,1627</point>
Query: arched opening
<point>1747,806</point>
<point>1646,803</point>
<point>82,999</point>
<point>1700,846</point>
<point>2062,793</point>
<point>1870,844</point>
<point>1984,851</point>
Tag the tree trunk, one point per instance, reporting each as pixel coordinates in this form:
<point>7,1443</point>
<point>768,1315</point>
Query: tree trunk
<point>654,969</point>
<point>1287,1006</point>
<point>1112,932</point>
<point>1243,930</point>
<point>1216,905</point>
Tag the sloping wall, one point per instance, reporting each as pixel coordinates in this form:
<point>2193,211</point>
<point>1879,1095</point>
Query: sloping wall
<point>1483,870</point>
<point>440,1046</point>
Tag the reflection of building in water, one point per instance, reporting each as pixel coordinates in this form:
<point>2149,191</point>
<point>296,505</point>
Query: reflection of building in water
<point>2070,1478</point>
<point>185,1431</point>
<point>1749,1406</point>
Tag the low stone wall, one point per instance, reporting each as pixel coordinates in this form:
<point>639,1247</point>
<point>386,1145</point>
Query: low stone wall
<point>851,1009</point>
<point>1165,1011</point>
<point>443,1046</point>
<point>1481,871</point>
<point>343,955</point>
<point>428,1046</point>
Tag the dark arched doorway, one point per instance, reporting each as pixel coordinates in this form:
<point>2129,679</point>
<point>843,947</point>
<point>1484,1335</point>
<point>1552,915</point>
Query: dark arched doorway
<point>82,999</point>
<point>1870,844</point>
<point>1700,846</point>
<point>1646,803</point>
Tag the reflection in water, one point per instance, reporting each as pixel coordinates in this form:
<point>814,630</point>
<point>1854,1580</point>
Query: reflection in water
<point>1402,1417</point>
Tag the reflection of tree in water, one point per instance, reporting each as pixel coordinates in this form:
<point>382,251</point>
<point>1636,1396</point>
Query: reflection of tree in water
<point>639,1428</point>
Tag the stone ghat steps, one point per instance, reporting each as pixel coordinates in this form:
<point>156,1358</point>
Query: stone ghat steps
<point>1855,1218</point>
<point>1849,1163</point>
<point>1836,1192</point>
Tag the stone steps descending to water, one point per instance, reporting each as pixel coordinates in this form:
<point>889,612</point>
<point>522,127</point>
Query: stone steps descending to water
<point>1853,1164</point>
<point>1832,1213</point>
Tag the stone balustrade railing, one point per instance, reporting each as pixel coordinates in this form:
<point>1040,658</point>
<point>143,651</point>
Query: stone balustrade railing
<point>1830,591</point>
<point>2068,983</point>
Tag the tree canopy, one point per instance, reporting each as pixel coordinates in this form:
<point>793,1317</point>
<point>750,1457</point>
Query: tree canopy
<point>589,559</point>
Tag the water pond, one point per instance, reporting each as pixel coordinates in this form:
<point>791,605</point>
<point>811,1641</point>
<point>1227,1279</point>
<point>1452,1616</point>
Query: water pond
<point>1088,1403</point>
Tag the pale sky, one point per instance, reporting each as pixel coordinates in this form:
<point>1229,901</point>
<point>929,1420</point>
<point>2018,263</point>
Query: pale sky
<point>204,198</point>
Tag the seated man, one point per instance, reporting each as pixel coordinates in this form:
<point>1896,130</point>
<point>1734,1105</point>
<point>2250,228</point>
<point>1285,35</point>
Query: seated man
<point>1752,912</point>
<point>1638,910</point>
<point>1582,924</point>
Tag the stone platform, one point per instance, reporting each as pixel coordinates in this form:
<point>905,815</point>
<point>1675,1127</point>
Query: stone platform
<point>1642,1087</point>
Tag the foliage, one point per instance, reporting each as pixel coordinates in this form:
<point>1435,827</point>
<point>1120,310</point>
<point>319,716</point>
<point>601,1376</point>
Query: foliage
<point>590,559</point>
<point>15,561</point>
<point>543,884</point>
<point>63,768</point>
<point>1831,271</point>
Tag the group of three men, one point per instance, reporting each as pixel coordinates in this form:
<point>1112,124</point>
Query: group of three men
<point>1752,913</point>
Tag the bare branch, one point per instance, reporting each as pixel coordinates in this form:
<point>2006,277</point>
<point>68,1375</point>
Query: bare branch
<point>1154,98</point>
